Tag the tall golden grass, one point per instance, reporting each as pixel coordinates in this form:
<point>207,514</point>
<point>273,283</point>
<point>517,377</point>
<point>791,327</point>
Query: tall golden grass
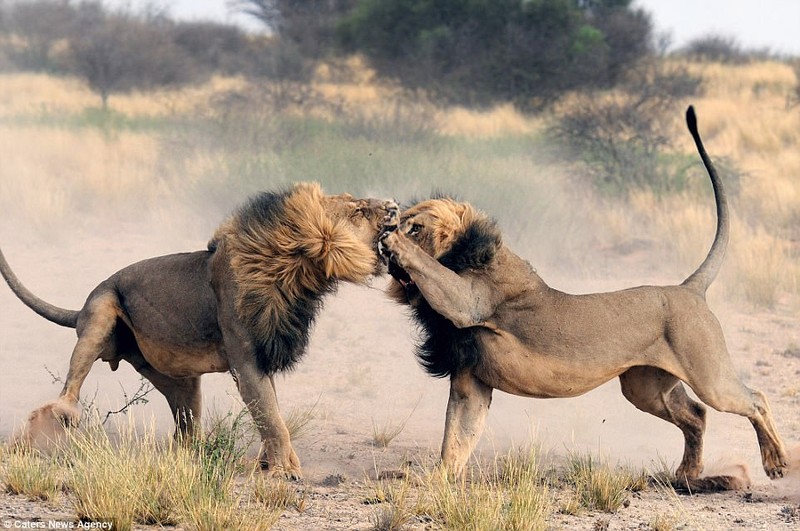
<point>32,94</point>
<point>748,118</point>
<point>51,167</point>
<point>129,477</point>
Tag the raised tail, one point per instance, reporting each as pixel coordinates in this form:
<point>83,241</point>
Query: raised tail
<point>60,316</point>
<point>701,279</point>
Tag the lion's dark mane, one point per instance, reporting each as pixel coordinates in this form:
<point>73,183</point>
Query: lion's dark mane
<point>446,349</point>
<point>282,349</point>
<point>286,342</point>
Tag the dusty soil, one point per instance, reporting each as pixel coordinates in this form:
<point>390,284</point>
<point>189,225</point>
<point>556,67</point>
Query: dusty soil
<point>360,371</point>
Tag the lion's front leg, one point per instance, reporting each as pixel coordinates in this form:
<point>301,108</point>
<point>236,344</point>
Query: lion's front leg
<point>277,457</point>
<point>466,415</point>
<point>463,300</point>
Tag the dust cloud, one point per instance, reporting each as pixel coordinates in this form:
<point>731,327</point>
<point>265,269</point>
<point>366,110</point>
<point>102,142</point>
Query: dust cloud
<point>359,371</point>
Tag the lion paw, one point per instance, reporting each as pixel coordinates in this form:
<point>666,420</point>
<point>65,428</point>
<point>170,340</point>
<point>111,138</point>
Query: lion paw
<point>392,217</point>
<point>776,472</point>
<point>390,224</point>
<point>776,462</point>
<point>280,472</point>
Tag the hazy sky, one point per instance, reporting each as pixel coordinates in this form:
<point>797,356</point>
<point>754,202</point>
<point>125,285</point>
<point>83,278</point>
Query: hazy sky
<point>754,23</point>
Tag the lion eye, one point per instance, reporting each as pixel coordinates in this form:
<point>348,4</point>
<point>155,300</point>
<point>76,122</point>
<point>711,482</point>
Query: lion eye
<point>414,230</point>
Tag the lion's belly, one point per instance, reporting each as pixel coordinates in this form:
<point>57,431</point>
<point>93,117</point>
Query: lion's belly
<point>514,368</point>
<point>182,361</point>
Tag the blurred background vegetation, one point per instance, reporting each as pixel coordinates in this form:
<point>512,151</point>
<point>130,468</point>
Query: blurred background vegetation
<point>552,115</point>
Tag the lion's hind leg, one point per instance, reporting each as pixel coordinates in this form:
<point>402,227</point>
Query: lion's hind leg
<point>95,328</point>
<point>708,370</point>
<point>661,394</point>
<point>183,395</point>
<point>727,394</point>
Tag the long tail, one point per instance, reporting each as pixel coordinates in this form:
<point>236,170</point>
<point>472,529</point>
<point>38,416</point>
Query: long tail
<point>60,316</point>
<point>701,279</point>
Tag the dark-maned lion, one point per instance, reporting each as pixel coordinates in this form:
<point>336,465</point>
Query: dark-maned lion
<point>244,305</point>
<point>490,322</point>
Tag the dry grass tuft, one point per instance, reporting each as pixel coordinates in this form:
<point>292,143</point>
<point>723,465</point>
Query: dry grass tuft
<point>384,434</point>
<point>123,479</point>
<point>398,510</point>
<point>276,494</point>
<point>132,478</point>
<point>298,421</point>
<point>387,432</point>
<point>28,473</point>
<point>596,486</point>
<point>512,493</point>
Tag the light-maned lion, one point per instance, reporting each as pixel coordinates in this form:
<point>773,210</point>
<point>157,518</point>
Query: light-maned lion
<point>490,322</point>
<point>244,305</point>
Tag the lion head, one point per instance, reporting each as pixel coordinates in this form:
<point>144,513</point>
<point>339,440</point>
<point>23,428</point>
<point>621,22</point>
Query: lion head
<point>458,235</point>
<point>287,250</point>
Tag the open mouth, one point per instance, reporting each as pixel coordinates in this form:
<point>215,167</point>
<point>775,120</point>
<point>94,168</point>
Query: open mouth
<point>400,275</point>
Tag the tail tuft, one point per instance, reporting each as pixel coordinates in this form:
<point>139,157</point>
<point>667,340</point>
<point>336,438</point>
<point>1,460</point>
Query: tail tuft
<point>691,120</point>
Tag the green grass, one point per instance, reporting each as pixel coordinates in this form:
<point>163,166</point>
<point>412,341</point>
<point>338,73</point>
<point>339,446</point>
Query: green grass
<point>108,121</point>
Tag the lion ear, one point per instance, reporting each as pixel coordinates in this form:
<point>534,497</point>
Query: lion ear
<point>475,248</point>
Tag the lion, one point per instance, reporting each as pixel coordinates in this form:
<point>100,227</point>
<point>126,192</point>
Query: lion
<point>488,321</point>
<point>244,305</point>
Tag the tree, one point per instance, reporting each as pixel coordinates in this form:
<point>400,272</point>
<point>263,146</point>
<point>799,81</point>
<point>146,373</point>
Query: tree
<point>718,48</point>
<point>119,52</point>
<point>482,51</point>
<point>214,47</point>
<point>39,25</point>
<point>307,25</point>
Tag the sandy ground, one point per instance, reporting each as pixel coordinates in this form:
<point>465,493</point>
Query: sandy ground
<point>360,370</point>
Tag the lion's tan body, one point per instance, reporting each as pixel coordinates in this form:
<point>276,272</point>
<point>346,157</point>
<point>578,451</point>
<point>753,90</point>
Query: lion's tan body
<point>514,333</point>
<point>244,306</point>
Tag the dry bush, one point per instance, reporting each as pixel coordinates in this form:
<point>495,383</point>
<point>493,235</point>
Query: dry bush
<point>624,136</point>
<point>715,48</point>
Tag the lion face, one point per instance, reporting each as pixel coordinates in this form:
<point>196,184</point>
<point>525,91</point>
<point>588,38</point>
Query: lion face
<point>456,234</point>
<point>436,224</point>
<point>364,219</point>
